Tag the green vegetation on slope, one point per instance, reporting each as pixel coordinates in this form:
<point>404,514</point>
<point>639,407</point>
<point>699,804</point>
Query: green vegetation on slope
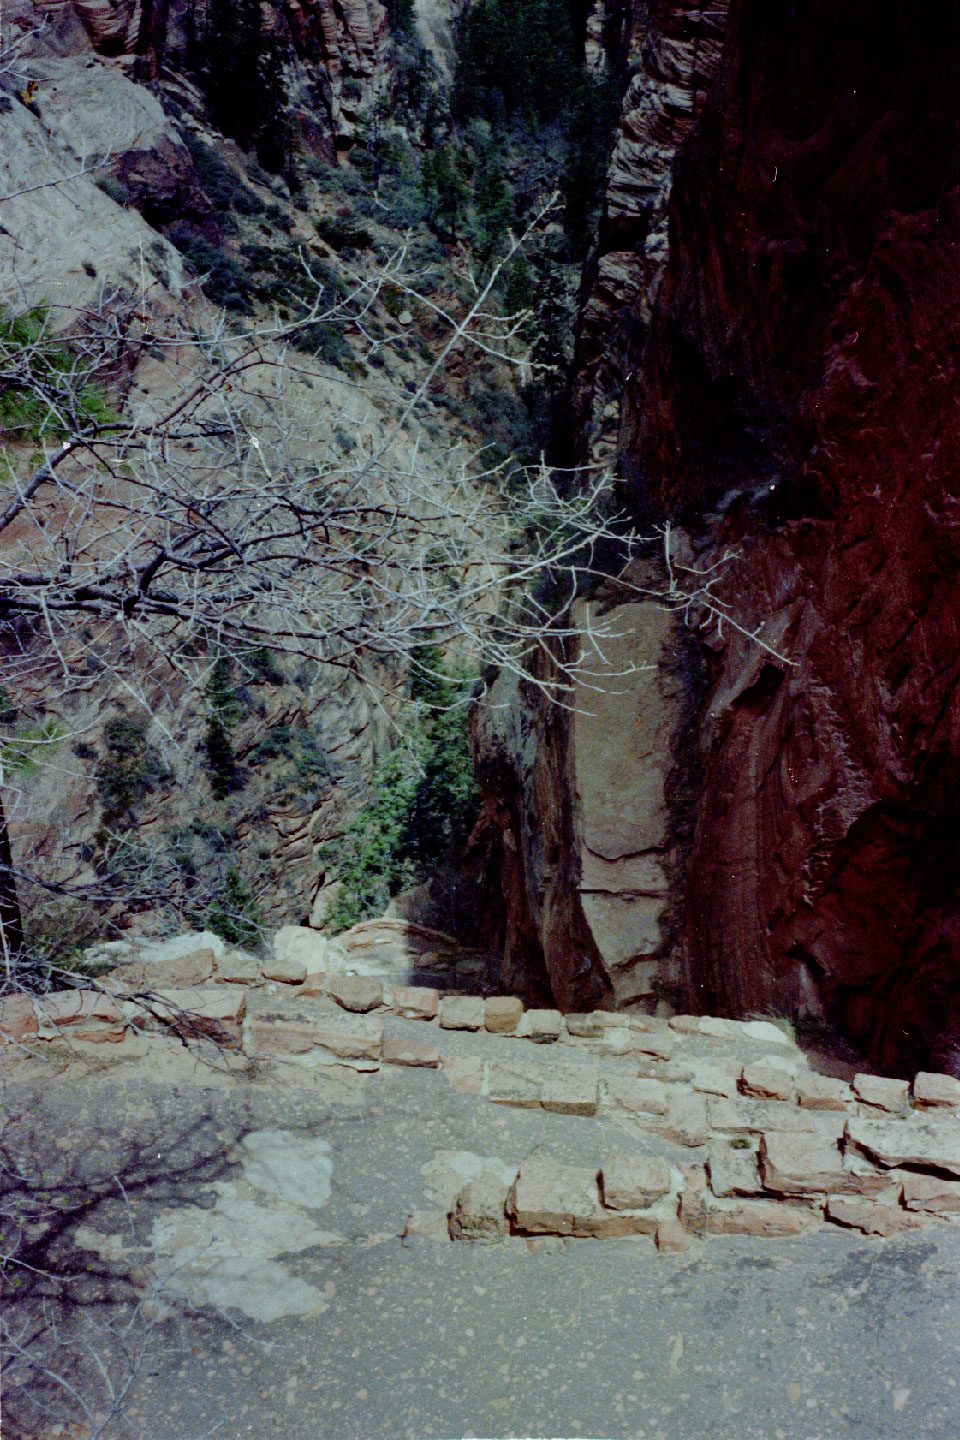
<point>423,803</point>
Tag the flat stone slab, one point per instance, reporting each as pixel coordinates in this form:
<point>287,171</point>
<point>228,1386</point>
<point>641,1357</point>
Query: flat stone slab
<point>686,1121</point>
<point>871,1218</point>
<point>18,1019</point>
<point>280,1037</point>
<point>685,1024</point>
<point>934,1143</point>
<point>801,1164</point>
<point>552,1199</point>
<point>415,1002</point>
<point>717,1028</point>
<point>634,1182</point>
<point>399,1051</point>
<point>753,1117</point>
<point>465,1073</point>
<point>885,1094</point>
<point>238,968</point>
<point>502,1014</point>
<point>763,1082</point>
<point>660,1044</point>
<point>357,993</point>
<point>461,1012</point>
<point>182,970</point>
<point>514,1085</point>
<point>588,1026</point>
<point>214,1014</point>
<point>427,1225</point>
<point>75,1007</point>
<point>823,1092</point>
<point>645,1097</point>
<point>284,969</point>
<point>358,1039</point>
<point>709,1080</point>
<point>733,1172</point>
<point>574,1091</point>
<point>930,1193</point>
<point>934,1090</point>
<point>543,1027</point>
<point>759,1217</point>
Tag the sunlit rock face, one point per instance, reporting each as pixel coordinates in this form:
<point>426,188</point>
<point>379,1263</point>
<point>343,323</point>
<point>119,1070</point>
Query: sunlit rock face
<point>798,395</point>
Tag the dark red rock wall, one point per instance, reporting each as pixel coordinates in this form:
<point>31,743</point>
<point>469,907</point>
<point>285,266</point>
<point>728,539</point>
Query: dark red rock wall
<point>800,394</point>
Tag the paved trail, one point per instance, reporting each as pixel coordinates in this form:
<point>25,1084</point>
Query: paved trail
<point>270,1210</point>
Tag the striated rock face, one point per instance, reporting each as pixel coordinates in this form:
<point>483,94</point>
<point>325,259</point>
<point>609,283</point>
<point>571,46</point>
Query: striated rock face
<point>789,366</point>
<point>672,49</point>
<point>340,47</point>
<point>347,40</point>
<point>577,822</point>
<point>800,381</point>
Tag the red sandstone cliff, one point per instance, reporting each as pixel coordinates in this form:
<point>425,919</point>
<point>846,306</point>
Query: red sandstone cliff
<point>769,351</point>
<point>802,374</point>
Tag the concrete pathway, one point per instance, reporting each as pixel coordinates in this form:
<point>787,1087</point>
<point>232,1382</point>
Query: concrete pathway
<point>225,1247</point>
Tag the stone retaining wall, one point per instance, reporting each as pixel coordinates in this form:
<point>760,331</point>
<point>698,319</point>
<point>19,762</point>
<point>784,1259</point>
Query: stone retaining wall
<point>766,1147</point>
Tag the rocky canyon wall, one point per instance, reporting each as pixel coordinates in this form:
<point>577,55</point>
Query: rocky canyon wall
<point>769,351</point>
<point>798,396</point>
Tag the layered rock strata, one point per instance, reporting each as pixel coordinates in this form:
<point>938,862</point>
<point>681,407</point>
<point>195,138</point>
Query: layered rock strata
<point>671,50</point>
<point>576,820</point>
<point>798,394</point>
